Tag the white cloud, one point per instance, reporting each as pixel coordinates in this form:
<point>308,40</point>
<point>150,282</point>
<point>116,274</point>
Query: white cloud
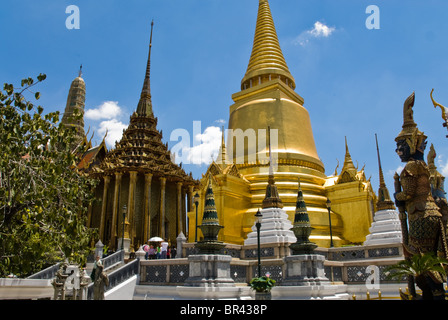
<point>207,150</point>
<point>319,30</point>
<point>442,166</point>
<point>114,129</point>
<point>108,115</point>
<point>107,110</point>
<point>397,170</point>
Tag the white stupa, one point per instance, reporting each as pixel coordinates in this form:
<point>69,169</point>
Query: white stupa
<point>275,228</point>
<point>386,225</point>
<point>385,229</point>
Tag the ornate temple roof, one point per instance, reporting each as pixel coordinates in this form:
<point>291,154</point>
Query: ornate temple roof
<point>267,57</point>
<point>141,148</point>
<point>93,156</point>
<point>349,172</point>
<point>223,165</point>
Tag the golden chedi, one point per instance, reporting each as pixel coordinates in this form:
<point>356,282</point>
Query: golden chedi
<point>267,99</point>
<point>240,175</point>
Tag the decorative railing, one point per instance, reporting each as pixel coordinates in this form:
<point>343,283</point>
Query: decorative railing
<point>108,262</point>
<point>349,265</point>
<point>279,250</point>
<point>113,260</point>
<point>48,273</point>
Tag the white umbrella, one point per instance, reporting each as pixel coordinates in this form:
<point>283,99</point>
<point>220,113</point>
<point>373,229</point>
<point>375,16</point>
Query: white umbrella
<point>155,239</point>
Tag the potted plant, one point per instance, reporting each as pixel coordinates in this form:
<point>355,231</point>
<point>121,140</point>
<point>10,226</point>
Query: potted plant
<point>420,266</point>
<point>262,287</point>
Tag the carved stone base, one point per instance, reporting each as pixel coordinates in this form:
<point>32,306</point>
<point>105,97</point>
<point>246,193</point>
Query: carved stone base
<point>209,270</point>
<point>305,270</point>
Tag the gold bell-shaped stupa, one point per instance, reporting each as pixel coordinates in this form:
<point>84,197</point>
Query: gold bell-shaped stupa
<point>268,99</point>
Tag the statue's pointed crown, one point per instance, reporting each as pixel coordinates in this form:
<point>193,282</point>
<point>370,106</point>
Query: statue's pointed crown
<point>410,132</point>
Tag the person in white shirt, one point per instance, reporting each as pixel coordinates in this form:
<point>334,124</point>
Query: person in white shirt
<point>164,249</point>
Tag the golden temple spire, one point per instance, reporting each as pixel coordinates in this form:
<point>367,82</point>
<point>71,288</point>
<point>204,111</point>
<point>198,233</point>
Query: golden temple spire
<point>272,198</point>
<point>384,201</point>
<point>144,107</point>
<point>348,172</point>
<point>222,156</point>
<point>267,61</point>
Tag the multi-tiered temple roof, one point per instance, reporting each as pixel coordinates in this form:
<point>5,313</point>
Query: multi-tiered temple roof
<point>141,148</point>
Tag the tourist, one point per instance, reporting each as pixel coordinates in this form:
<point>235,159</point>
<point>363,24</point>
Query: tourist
<point>97,260</point>
<point>164,249</point>
<point>152,252</point>
<point>158,252</point>
<point>146,249</point>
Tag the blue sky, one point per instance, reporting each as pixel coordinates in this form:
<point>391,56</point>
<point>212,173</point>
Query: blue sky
<point>354,80</point>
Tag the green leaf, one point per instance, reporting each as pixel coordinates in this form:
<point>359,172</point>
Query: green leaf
<point>41,77</point>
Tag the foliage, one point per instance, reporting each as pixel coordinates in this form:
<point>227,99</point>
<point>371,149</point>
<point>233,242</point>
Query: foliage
<point>419,267</point>
<point>262,284</point>
<point>43,197</point>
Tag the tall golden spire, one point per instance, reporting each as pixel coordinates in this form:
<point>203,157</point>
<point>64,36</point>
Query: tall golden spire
<point>144,107</point>
<point>222,155</point>
<point>266,61</point>
<point>384,201</point>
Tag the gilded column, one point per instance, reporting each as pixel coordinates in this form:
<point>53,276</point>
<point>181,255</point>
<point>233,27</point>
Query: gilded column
<point>116,208</point>
<point>147,209</point>
<point>190,196</point>
<point>104,206</point>
<point>162,207</point>
<point>179,208</point>
<point>131,201</point>
<point>184,211</point>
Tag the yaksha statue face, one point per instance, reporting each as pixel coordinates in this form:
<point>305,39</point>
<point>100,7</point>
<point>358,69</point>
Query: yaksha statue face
<point>404,151</point>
